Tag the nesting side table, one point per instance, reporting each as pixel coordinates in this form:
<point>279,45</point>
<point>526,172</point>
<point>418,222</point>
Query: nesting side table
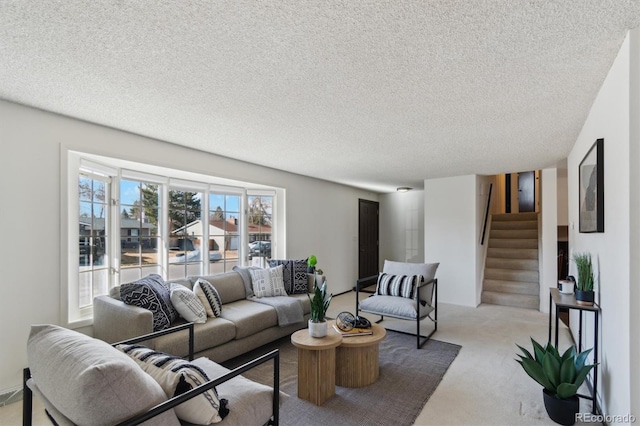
<point>316,365</point>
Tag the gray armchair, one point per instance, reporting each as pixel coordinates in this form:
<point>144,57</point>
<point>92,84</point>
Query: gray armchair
<point>399,295</point>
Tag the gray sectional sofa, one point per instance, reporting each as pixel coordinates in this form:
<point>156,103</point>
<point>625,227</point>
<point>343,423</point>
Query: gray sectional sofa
<point>243,325</point>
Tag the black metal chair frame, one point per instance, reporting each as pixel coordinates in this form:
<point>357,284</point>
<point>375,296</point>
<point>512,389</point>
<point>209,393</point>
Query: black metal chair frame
<point>434,298</point>
<point>27,407</point>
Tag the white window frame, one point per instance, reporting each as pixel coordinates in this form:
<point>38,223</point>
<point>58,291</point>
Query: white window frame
<point>74,161</point>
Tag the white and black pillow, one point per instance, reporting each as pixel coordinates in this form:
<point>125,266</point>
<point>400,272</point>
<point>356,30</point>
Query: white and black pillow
<point>187,304</point>
<point>177,376</point>
<point>294,275</point>
<point>268,282</point>
<point>209,297</point>
<point>152,293</point>
<point>397,285</point>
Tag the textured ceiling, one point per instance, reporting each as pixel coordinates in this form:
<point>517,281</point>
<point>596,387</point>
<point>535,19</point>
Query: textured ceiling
<point>374,94</point>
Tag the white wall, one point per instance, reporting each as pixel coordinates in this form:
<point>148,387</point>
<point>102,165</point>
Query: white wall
<point>562,197</point>
<point>634,224</point>
<point>321,217</point>
<point>609,119</point>
<point>402,227</point>
<point>548,254</point>
<point>450,236</point>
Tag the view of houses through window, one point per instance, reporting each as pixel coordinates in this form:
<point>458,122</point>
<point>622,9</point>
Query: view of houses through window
<point>93,232</point>
<point>175,230</point>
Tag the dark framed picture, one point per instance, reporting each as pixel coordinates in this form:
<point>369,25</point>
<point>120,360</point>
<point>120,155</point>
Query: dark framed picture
<point>591,177</point>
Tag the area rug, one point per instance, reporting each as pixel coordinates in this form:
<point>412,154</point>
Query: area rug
<point>408,377</point>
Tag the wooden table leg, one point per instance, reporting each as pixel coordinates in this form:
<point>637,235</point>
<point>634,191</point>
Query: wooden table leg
<point>316,374</point>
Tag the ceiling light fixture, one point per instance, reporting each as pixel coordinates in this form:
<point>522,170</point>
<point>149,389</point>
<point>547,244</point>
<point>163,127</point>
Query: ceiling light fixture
<point>403,189</point>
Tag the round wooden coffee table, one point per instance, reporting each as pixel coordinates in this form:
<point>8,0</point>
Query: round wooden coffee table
<point>357,359</point>
<point>316,365</point>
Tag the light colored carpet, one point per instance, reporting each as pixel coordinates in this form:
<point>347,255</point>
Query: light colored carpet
<point>483,385</point>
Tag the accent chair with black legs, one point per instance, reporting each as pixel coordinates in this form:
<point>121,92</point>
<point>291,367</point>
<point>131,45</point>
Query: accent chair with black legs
<point>406,291</point>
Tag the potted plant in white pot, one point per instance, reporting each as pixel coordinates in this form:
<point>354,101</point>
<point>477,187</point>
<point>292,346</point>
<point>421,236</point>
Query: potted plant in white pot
<point>560,375</point>
<point>584,286</point>
<point>319,306</point>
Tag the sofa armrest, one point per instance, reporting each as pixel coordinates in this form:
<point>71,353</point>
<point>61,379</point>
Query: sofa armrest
<point>155,334</point>
<point>114,320</point>
<point>173,402</point>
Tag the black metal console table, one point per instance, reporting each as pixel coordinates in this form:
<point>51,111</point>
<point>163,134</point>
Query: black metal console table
<point>569,301</point>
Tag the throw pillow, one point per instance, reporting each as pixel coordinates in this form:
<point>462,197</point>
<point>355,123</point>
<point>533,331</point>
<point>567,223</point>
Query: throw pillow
<point>397,285</point>
<point>294,275</point>
<point>268,282</point>
<point>187,304</point>
<point>246,278</point>
<point>209,297</point>
<point>152,293</point>
<point>177,376</point>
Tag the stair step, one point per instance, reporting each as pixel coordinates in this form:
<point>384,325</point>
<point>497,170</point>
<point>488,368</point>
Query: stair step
<point>512,275</point>
<point>520,243</point>
<point>515,224</point>
<point>520,264</point>
<point>513,287</point>
<point>515,300</point>
<point>512,253</point>
<point>513,233</point>
<point>515,216</point>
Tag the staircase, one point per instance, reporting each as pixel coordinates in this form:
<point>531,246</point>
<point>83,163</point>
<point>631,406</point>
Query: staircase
<point>511,271</point>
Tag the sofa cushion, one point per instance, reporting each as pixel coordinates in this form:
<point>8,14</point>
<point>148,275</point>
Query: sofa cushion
<point>294,275</point>
<point>249,317</point>
<point>89,381</point>
<point>268,282</point>
<point>427,270</point>
<point>229,285</point>
<point>393,306</point>
<point>246,278</point>
<point>187,304</point>
<point>214,332</point>
<point>152,293</point>
<point>209,297</point>
<point>177,376</point>
<point>251,402</point>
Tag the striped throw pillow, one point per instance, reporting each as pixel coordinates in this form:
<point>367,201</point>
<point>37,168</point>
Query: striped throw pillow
<point>209,297</point>
<point>398,285</point>
<point>177,376</point>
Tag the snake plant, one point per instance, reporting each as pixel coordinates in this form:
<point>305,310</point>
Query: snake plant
<point>320,302</point>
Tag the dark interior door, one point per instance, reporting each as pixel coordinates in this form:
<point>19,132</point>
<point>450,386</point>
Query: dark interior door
<point>526,192</point>
<point>368,238</point>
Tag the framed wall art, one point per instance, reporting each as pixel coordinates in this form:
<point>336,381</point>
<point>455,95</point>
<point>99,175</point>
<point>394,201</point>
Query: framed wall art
<point>591,181</point>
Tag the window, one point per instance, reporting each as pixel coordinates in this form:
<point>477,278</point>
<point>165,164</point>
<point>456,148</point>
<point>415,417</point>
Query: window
<point>259,223</point>
<point>224,231</point>
<point>186,233</point>
<point>134,219</point>
<point>140,236</point>
<point>93,238</point>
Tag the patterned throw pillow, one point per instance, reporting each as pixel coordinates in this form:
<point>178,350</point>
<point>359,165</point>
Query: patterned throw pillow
<point>397,285</point>
<point>294,275</point>
<point>209,297</point>
<point>268,282</point>
<point>177,376</point>
<point>152,293</point>
<point>187,304</point>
